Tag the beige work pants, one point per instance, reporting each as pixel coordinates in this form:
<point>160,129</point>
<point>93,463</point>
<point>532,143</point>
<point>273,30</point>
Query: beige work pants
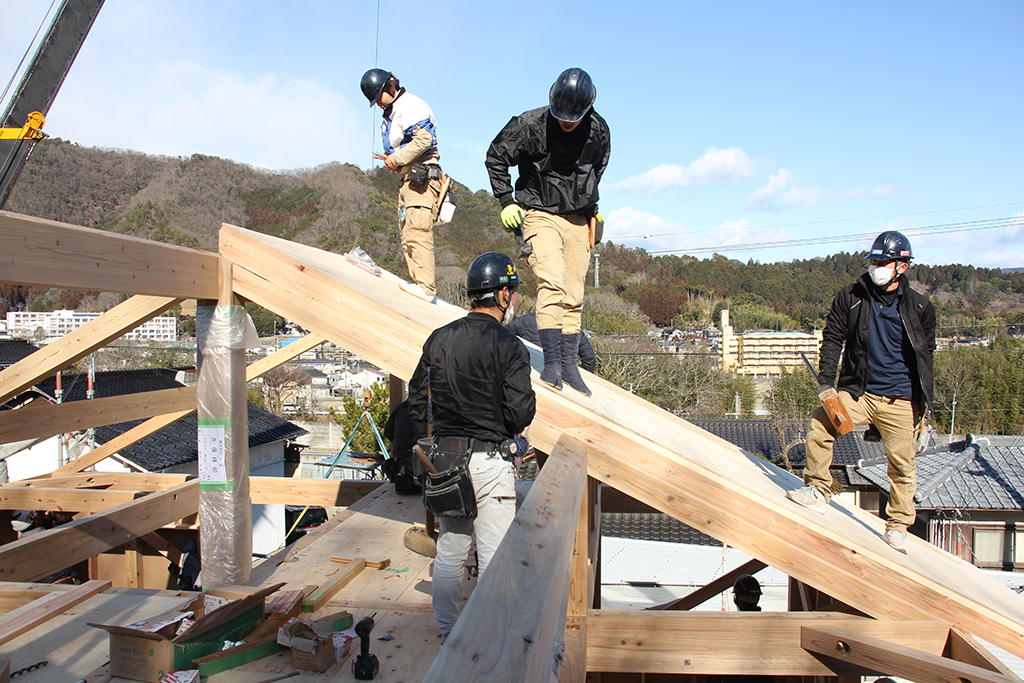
<point>561,255</point>
<point>896,419</point>
<point>416,217</point>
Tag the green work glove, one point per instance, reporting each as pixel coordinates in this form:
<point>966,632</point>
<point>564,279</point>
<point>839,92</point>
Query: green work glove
<point>512,216</point>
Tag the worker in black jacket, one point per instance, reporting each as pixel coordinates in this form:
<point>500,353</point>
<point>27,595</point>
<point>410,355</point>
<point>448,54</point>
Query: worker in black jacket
<point>561,151</point>
<point>477,374</point>
<point>888,330</point>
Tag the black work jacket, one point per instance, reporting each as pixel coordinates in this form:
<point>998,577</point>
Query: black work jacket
<point>478,377</point>
<point>847,323</point>
<point>558,171</point>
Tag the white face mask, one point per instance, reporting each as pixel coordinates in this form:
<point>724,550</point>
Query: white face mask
<point>510,314</point>
<point>881,276</point>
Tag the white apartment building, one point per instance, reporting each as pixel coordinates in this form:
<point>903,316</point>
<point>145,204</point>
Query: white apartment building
<point>766,353</point>
<point>59,323</point>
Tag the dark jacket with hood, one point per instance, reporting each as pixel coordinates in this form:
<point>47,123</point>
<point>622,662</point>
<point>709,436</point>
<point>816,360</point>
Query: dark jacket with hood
<point>847,323</point>
<point>558,171</point>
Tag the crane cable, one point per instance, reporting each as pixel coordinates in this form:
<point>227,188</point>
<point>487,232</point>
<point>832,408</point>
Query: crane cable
<point>24,57</point>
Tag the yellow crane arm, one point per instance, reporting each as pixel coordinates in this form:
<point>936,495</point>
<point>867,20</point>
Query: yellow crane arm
<point>32,130</point>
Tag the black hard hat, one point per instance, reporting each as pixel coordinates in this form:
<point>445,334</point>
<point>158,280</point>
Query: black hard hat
<point>572,95</point>
<point>491,271</point>
<point>890,245</point>
<point>372,83</point>
<point>746,587</point>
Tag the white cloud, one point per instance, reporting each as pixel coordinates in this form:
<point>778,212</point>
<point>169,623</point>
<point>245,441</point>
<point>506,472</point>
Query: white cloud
<point>775,197</point>
<point>182,108</point>
<point>715,166</point>
<point>651,232</point>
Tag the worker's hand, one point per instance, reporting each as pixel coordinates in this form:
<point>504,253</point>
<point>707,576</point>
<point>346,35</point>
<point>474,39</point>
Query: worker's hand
<point>389,161</point>
<point>512,216</point>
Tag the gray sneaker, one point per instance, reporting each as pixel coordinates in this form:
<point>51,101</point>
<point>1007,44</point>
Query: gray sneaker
<point>810,497</point>
<point>897,540</point>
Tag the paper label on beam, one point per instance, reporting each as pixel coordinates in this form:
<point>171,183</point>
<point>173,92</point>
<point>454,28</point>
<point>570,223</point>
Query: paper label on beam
<point>212,454</point>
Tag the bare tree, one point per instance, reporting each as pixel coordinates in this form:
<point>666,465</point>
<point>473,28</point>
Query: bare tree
<point>281,384</point>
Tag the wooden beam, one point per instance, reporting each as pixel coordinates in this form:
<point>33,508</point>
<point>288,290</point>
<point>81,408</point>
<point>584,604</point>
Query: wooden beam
<point>32,557</point>
<point>282,355</point>
<point>79,343</point>
<point>323,594</point>
<point>722,583</point>
<point>878,655</point>
<point>49,419</point>
<point>114,446</point>
<point>63,500</point>
<point>574,668</point>
<point>133,564</point>
<point>78,481</point>
<point>734,643</point>
<point>962,648</point>
<point>155,424</point>
<point>517,611</point>
<point>14,625</point>
<point>321,492</point>
<point>46,253</point>
<point>646,452</point>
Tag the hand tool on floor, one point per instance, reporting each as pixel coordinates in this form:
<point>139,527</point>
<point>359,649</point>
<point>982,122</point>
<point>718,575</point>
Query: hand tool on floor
<point>832,404</point>
<point>365,666</point>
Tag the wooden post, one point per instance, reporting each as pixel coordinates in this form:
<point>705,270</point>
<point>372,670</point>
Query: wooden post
<point>225,509</point>
<point>574,669</point>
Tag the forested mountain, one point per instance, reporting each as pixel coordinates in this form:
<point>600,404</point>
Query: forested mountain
<point>338,206</point>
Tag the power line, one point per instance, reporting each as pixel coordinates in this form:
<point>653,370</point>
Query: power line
<point>825,222</point>
<point>967,226</point>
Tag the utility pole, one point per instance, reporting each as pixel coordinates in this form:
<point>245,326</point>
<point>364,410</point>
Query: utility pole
<point>597,270</point>
<point>952,419</point>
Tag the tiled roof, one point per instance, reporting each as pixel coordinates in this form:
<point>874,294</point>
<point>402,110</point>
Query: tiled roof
<point>13,350</point>
<point>972,475</point>
<point>175,444</point>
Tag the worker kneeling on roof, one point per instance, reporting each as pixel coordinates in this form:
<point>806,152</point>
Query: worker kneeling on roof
<point>475,374</point>
<point>885,332</point>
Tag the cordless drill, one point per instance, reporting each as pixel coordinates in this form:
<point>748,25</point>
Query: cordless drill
<point>365,666</point>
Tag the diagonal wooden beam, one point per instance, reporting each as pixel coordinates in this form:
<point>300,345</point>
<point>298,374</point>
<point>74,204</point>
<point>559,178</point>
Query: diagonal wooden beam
<point>282,355</point>
<point>136,433</point>
<point>722,583</point>
<point>79,343</point>
<point>51,254</point>
<point>139,432</point>
<point>48,607</point>
<point>875,654</point>
<point>32,557</point>
<point>49,419</point>
<point>517,611</point>
<point>966,649</point>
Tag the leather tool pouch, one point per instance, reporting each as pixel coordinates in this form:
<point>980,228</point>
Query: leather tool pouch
<point>418,176</point>
<point>449,492</point>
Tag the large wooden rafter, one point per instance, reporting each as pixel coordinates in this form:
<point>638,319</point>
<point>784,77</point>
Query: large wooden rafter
<point>658,460</point>
<point>647,453</point>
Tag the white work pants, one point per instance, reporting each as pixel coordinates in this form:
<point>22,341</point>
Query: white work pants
<point>494,486</point>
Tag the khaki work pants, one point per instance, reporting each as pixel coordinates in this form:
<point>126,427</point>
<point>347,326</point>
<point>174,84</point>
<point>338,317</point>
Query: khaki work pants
<point>896,419</point>
<point>416,218</point>
<point>561,255</point>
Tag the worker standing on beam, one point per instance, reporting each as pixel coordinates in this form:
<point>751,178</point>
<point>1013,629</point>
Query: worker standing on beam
<point>561,151</point>
<point>409,134</point>
<point>475,375</point>
<point>888,330</point>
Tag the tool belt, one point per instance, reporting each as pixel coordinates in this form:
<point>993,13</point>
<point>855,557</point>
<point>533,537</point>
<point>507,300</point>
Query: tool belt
<point>420,174</point>
<point>449,492</point>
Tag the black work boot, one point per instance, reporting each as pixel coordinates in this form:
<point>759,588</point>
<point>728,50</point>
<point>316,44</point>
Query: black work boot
<point>550,342</point>
<point>570,371</point>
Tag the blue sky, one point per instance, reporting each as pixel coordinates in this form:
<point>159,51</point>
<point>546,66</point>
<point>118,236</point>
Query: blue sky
<point>735,125</point>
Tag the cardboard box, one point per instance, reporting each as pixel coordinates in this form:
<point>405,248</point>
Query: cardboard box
<point>311,642</point>
<point>148,650</point>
